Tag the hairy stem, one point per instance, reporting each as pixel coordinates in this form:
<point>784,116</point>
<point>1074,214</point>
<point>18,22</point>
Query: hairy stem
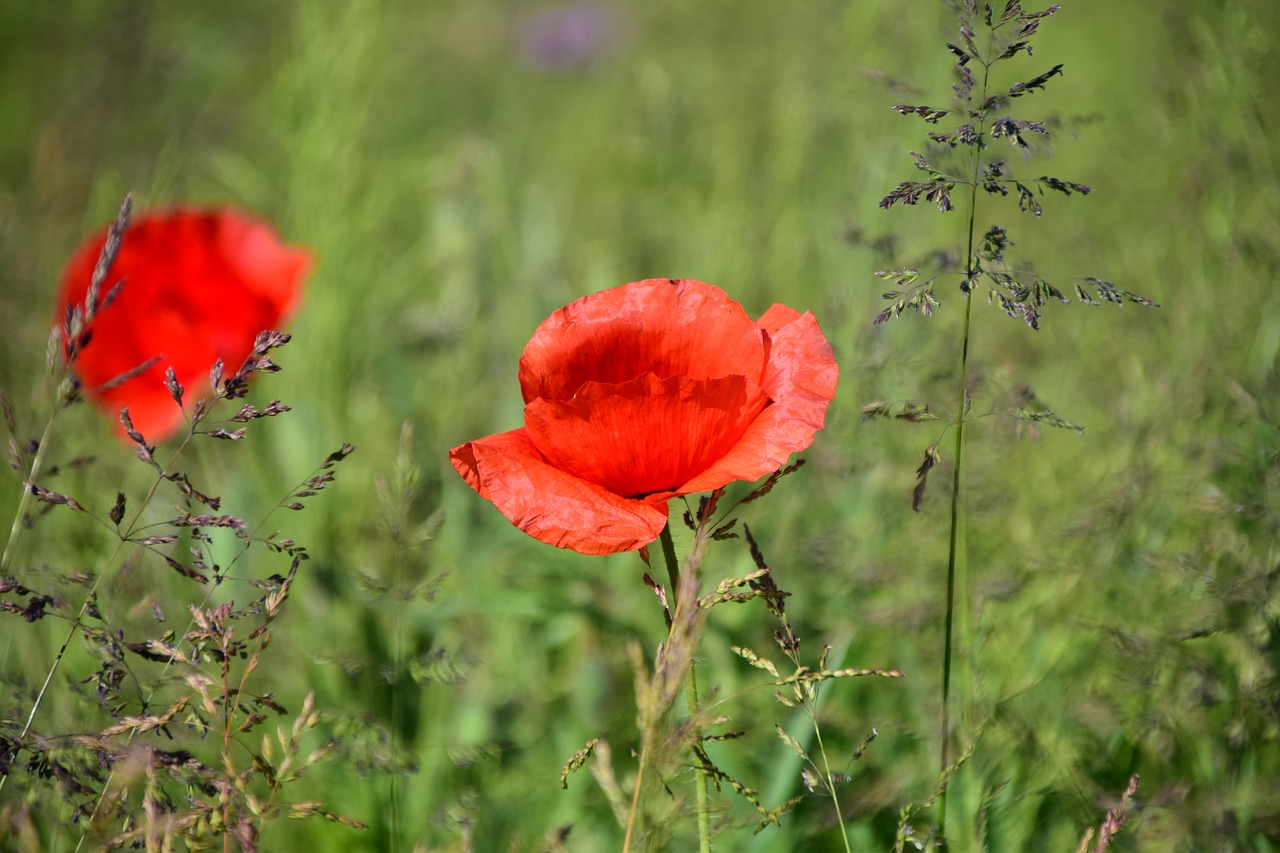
<point>691,697</point>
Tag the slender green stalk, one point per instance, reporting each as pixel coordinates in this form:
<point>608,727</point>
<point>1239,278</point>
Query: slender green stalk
<point>397,496</point>
<point>10,547</point>
<point>962,406</point>
<point>831,782</point>
<point>397,684</point>
<point>37,464</point>
<point>635,802</point>
<point>691,697</point>
<point>93,589</point>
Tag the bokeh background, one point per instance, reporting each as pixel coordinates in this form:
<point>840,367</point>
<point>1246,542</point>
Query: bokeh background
<point>463,168</point>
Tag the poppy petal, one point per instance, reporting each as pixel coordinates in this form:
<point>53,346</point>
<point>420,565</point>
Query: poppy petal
<point>551,505</point>
<point>667,327</point>
<point>647,435</point>
<point>801,378</point>
<point>199,287</point>
<point>269,270</point>
<point>802,371</point>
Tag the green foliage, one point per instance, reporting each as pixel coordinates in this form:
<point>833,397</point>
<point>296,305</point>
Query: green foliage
<point>1124,584</point>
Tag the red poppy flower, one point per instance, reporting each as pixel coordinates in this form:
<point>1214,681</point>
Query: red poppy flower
<point>199,286</point>
<point>644,392</point>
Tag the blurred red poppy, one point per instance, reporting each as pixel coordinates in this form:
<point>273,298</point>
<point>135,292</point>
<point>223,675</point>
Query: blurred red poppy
<point>198,286</point>
<point>644,392</point>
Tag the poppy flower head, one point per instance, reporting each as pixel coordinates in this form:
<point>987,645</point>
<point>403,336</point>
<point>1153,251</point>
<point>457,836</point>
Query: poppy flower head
<point>644,392</point>
<point>198,287</point>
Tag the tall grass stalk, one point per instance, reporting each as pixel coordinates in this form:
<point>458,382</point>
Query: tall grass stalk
<point>832,785</point>
<point>89,598</point>
<point>10,546</point>
<point>691,694</point>
<point>33,474</point>
<point>955,559</point>
<point>65,342</point>
<point>1019,291</point>
<point>397,496</point>
<point>672,671</point>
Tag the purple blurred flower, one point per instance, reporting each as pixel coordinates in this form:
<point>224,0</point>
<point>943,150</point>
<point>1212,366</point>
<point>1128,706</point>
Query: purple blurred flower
<point>563,38</point>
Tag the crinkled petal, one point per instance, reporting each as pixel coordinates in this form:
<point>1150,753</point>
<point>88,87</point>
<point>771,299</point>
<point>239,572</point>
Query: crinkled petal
<point>801,378</point>
<point>551,505</point>
<point>802,370</point>
<point>647,435</point>
<point>667,327</point>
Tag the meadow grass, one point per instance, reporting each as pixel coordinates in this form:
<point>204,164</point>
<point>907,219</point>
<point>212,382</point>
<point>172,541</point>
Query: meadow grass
<point>1122,584</point>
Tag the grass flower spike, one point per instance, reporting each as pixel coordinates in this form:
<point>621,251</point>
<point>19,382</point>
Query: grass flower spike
<point>642,393</point>
<point>198,286</point>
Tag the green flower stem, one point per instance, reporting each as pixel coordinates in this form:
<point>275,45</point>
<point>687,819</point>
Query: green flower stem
<point>691,697</point>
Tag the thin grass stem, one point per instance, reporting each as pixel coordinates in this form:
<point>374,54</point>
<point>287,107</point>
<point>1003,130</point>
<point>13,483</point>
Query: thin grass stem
<point>84,607</point>
<point>954,557</point>
<point>37,464</point>
<point>831,782</point>
<point>398,606</point>
<point>635,802</point>
<point>691,697</point>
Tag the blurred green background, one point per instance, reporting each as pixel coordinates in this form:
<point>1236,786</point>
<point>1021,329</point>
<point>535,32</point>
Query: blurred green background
<point>463,168</point>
